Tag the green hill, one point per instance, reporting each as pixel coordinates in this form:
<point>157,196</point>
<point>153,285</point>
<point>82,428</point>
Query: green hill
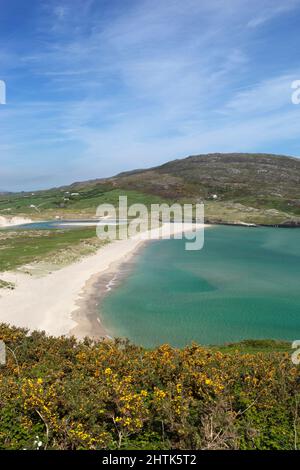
<point>235,187</point>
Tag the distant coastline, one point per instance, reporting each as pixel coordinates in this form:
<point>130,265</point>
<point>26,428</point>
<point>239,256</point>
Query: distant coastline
<point>245,224</point>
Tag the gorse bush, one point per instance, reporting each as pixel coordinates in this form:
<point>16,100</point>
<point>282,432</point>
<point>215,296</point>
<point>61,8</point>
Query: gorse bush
<point>58,393</point>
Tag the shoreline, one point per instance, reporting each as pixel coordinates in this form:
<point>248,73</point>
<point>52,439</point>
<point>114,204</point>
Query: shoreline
<point>87,315</point>
<point>252,225</point>
<point>14,221</point>
<point>64,302</point>
<point>208,223</point>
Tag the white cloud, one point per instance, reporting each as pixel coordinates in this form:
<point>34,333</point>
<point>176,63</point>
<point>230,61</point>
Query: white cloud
<point>135,86</point>
<point>271,11</point>
<point>60,12</point>
<point>265,97</point>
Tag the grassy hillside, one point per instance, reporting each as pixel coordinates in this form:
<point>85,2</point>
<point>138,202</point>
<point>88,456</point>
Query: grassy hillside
<point>60,202</point>
<point>57,393</point>
<point>249,187</point>
<point>255,188</point>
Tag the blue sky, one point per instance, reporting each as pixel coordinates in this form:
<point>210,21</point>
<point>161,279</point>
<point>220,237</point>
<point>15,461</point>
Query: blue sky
<point>95,87</point>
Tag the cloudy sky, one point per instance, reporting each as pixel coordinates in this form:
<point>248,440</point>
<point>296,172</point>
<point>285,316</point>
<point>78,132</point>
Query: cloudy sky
<point>95,87</point>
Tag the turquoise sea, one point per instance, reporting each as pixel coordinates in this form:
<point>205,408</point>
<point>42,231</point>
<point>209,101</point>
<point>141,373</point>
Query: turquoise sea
<point>244,283</point>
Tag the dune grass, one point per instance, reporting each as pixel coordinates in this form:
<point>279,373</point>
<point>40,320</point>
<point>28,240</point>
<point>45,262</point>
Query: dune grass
<point>22,247</point>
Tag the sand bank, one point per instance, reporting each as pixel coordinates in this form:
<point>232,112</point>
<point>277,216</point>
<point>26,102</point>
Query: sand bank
<point>11,221</point>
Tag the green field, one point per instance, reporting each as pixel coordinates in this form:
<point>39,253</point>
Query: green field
<point>55,203</point>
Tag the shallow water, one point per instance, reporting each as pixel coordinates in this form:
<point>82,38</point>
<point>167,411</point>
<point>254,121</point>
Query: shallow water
<point>244,283</point>
<point>62,224</point>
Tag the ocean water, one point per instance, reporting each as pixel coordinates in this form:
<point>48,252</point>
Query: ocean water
<point>244,283</point>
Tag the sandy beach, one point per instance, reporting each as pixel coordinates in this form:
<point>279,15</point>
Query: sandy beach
<point>65,302</point>
<point>13,221</point>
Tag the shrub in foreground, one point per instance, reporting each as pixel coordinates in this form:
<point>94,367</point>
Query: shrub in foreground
<point>58,393</point>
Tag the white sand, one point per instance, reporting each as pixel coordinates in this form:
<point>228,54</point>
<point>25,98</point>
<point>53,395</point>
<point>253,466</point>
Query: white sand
<point>11,221</point>
<point>47,303</point>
